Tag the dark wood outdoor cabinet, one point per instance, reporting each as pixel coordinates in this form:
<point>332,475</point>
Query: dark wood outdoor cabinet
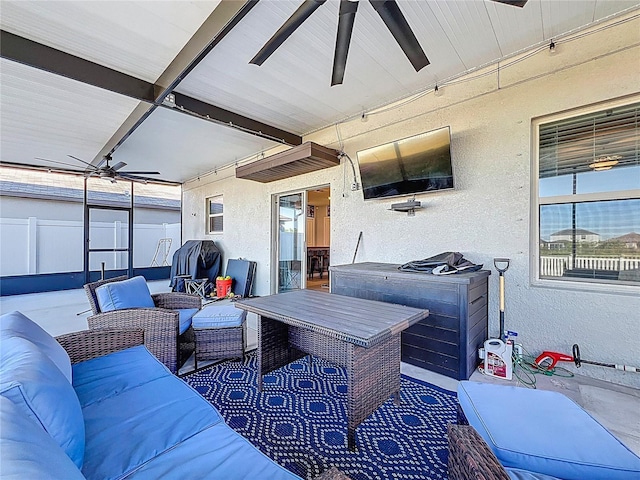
<point>447,341</point>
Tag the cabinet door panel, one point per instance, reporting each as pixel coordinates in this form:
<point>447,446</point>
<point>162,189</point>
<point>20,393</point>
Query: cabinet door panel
<point>433,345</point>
<point>432,357</point>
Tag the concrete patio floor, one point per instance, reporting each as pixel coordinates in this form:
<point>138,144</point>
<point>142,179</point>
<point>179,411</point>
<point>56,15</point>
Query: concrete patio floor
<point>615,406</point>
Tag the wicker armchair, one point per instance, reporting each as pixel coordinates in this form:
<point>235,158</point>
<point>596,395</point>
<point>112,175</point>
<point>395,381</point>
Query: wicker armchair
<point>161,324</point>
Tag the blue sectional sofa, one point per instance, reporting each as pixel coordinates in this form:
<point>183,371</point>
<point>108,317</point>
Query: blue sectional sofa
<point>103,407</point>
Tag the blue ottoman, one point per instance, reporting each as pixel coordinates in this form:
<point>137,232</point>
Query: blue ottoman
<point>545,432</point>
<point>219,332</point>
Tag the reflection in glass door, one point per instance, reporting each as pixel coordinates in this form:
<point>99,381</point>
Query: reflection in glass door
<point>109,241</point>
<point>290,238</point>
<point>108,229</point>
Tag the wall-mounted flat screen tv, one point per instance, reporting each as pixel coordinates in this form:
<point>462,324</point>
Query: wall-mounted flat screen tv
<point>417,164</point>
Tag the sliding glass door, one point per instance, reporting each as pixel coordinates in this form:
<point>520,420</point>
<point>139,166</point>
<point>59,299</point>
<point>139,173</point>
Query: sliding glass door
<point>290,239</point>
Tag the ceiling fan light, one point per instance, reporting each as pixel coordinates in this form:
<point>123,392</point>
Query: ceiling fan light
<point>605,163</point>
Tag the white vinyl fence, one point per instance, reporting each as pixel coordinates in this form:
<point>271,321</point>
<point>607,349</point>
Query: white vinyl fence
<point>31,246</point>
<point>555,266</point>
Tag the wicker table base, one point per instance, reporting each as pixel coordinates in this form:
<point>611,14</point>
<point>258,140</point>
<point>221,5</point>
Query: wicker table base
<point>373,374</point>
<point>360,335</point>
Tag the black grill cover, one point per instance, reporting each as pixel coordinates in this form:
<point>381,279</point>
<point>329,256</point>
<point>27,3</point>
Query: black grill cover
<point>198,258</point>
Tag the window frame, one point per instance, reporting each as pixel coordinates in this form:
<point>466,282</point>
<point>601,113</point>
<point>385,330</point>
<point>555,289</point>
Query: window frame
<point>586,285</point>
<point>210,215</point>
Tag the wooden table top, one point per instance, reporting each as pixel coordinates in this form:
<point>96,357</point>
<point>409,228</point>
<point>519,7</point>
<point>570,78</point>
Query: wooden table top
<point>355,320</point>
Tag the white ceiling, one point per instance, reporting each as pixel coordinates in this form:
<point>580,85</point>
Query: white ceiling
<point>186,145</point>
<point>44,115</point>
<point>50,116</point>
<point>139,38</point>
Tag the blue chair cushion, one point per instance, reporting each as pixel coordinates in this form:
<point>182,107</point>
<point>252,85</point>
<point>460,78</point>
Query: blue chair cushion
<point>131,293</point>
<point>217,452</point>
<point>127,430</point>
<point>103,377</point>
<point>15,324</point>
<point>219,316</point>
<point>28,451</point>
<point>186,316</point>
<point>545,432</point>
<point>39,389</point>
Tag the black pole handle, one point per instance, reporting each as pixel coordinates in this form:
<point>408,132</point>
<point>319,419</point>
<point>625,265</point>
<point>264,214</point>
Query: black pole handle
<point>576,355</point>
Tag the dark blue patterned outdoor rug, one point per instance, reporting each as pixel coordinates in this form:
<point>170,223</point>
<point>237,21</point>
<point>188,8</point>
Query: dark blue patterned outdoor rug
<point>299,420</point>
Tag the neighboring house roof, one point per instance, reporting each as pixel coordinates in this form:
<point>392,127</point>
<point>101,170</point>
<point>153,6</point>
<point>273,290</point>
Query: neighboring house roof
<point>64,194</point>
<point>632,237</point>
<point>569,231</point>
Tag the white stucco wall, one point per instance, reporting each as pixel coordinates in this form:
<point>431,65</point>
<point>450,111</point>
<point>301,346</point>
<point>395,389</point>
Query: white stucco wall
<point>488,213</point>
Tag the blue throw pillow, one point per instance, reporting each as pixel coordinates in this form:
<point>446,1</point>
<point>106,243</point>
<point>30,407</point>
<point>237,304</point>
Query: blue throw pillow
<point>131,293</point>
<point>15,324</point>
<point>27,450</point>
<point>40,391</point>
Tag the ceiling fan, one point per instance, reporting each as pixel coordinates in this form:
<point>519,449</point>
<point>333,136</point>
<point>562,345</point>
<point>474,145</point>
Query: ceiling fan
<point>390,14</point>
<point>104,169</point>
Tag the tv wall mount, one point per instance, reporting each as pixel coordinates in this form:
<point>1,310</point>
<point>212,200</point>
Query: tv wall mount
<point>410,206</point>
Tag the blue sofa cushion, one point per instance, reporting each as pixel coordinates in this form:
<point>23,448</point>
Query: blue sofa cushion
<point>39,389</point>
<point>104,377</point>
<point>186,317</point>
<point>129,429</point>
<point>217,452</point>
<point>519,474</point>
<point>219,316</point>
<point>15,324</point>
<point>545,432</point>
<point>27,450</point>
<point>130,293</point>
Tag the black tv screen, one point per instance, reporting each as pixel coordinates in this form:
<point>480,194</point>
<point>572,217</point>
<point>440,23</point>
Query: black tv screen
<point>417,164</point>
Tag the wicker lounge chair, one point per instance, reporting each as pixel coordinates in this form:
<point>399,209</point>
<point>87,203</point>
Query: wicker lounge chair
<point>506,432</point>
<point>160,324</point>
<point>471,457</point>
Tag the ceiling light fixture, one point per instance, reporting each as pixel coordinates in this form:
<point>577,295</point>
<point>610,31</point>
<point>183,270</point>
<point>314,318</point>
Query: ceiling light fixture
<point>605,163</point>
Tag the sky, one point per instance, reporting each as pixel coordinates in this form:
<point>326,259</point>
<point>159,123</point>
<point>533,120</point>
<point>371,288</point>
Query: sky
<point>609,219</point>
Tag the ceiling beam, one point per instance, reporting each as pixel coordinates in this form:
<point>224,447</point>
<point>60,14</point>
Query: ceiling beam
<point>219,115</point>
<point>219,23</point>
<point>42,57</point>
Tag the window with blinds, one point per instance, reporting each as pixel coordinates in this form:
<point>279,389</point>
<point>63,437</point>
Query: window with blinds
<point>588,199</point>
<point>215,209</point>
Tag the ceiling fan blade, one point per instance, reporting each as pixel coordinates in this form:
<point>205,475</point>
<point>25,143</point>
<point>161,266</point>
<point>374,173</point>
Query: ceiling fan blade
<point>126,176</point>
<point>80,160</point>
<point>55,161</point>
<point>299,16</point>
<point>401,31</point>
<point>346,18</point>
<point>513,3</point>
<point>118,166</point>
<point>128,172</point>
